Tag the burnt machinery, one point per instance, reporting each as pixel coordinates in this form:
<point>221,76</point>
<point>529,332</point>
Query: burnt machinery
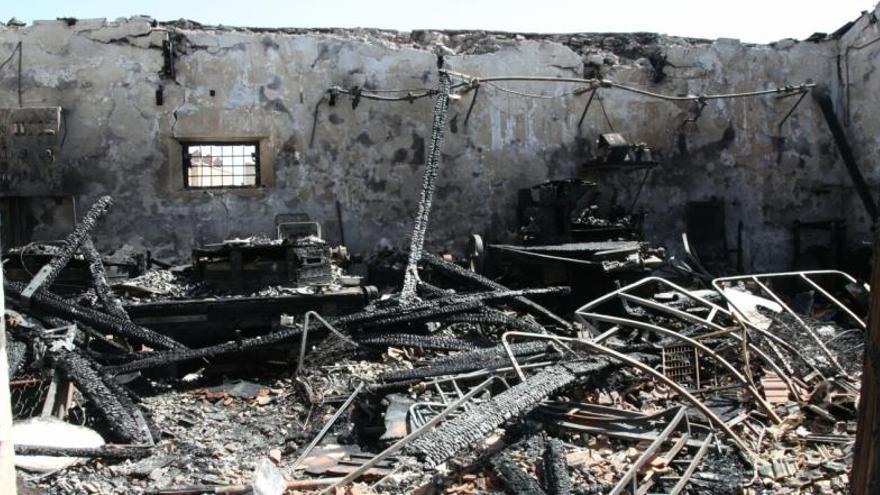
<point>614,150</point>
<point>572,230</point>
<point>571,210</point>
<point>251,264</point>
<point>298,256</point>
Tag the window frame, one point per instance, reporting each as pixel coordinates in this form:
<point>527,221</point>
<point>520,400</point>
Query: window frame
<point>186,163</point>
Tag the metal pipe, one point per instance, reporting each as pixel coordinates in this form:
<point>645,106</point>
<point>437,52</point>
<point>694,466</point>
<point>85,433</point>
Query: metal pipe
<point>834,300</point>
<point>305,336</point>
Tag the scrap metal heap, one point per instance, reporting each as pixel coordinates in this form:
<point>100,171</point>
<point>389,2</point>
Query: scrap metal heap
<point>747,383</point>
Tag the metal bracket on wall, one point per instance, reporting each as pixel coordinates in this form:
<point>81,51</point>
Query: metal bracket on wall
<point>168,69</point>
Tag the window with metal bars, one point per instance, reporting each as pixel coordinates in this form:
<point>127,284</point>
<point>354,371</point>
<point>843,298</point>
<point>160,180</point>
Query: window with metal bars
<point>221,165</point>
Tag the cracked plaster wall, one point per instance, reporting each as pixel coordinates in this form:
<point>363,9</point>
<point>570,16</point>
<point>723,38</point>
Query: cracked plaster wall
<point>266,84</point>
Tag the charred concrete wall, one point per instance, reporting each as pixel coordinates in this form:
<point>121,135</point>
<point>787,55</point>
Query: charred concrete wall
<point>265,85</point>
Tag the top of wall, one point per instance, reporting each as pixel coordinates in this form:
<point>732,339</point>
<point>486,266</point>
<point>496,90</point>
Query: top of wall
<point>626,45</point>
<point>598,51</point>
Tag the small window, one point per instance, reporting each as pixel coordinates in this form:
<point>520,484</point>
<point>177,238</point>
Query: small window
<point>219,165</point>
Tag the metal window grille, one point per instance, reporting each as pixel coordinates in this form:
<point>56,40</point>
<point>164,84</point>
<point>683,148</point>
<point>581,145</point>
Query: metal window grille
<point>221,165</point>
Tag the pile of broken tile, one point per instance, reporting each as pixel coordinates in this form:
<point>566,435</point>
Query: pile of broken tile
<point>661,386</point>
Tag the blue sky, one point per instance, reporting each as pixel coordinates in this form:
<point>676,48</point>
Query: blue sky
<point>749,20</point>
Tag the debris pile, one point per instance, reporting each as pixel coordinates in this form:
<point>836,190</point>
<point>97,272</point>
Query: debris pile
<point>745,383</point>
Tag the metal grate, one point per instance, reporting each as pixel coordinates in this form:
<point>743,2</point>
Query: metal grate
<point>213,165</point>
<point>681,364</point>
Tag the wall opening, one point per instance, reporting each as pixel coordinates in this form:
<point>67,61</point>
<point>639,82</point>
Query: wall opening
<point>221,164</point>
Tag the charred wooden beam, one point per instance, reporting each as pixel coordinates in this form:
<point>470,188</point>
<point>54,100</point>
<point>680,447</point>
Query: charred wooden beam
<point>49,272</point>
<point>130,452</point>
<point>147,431</point>
<point>491,358</point>
<point>373,314</point>
<point>443,369</point>
<point>823,98</point>
<point>556,478</point>
<point>111,303</point>
<point>84,373</point>
<point>492,316</point>
<point>519,349</point>
<point>865,474</point>
<point>438,342</point>
<point>429,291</point>
<point>428,314</point>
<point>432,165</point>
<point>517,480</point>
<point>163,358</point>
<point>480,281</point>
<point>443,442</point>
<point>54,305</point>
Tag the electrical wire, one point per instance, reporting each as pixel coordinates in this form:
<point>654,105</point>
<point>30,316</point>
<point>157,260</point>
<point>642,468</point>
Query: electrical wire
<point>19,75</point>
<point>605,113</point>
<point>14,50</point>
<point>539,96</point>
<point>413,90</point>
<point>373,95</point>
<point>611,84</point>
<point>473,83</point>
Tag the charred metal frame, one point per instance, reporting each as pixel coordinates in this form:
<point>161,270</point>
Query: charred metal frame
<point>415,417</point>
<point>584,314</point>
<point>305,336</point>
<point>600,349</point>
<point>321,434</point>
<point>631,478</point>
<point>802,275</point>
<point>703,348</point>
<point>396,446</point>
<point>609,421</point>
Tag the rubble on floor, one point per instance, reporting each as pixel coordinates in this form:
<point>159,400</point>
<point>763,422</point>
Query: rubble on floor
<point>311,382</point>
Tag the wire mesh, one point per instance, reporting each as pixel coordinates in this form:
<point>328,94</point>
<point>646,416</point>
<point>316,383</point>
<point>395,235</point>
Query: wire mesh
<point>28,394</point>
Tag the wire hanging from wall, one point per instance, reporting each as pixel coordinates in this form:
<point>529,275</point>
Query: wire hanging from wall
<point>15,50</point>
<point>474,83</point>
<point>605,113</point>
